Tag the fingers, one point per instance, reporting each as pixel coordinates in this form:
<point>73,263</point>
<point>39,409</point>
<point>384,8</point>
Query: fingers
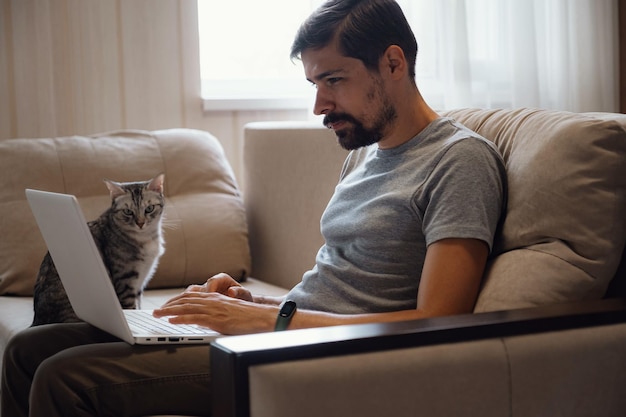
<point>217,283</point>
<point>196,288</point>
<point>220,283</point>
<point>225,284</point>
<point>212,310</point>
<point>223,313</point>
<point>185,300</point>
<point>239,292</point>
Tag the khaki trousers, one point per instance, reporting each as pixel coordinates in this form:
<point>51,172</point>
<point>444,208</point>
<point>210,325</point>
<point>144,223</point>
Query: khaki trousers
<point>77,370</point>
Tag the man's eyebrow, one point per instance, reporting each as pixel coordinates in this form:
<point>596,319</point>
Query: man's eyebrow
<point>323,75</point>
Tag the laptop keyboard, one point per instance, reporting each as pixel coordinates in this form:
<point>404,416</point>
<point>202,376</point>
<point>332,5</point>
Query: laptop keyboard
<point>144,320</point>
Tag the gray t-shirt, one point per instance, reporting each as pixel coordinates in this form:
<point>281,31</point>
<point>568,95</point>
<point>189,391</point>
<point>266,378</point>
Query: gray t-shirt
<point>389,205</point>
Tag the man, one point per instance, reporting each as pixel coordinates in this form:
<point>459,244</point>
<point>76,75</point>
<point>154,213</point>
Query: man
<point>407,235</point>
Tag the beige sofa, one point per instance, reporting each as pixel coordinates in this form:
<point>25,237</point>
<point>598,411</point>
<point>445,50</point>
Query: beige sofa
<point>539,345</point>
<point>526,352</point>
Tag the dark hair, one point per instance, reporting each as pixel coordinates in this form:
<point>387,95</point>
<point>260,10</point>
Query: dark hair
<point>364,30</point>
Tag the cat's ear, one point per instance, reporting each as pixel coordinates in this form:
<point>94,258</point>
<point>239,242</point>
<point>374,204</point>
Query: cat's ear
<point>115,189</point>
<point>156,183</point>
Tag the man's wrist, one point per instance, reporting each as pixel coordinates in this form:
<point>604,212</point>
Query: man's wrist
<point>285,314</point>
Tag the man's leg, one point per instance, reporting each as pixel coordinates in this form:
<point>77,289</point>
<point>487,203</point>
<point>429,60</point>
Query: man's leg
<point>117,379</point>
<point>111,378</point>
<point>26,350</point>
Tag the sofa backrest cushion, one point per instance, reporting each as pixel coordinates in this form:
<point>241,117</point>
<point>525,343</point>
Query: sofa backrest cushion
<point>565,228</point>
<point>205,225</point>
<point>290,173</point>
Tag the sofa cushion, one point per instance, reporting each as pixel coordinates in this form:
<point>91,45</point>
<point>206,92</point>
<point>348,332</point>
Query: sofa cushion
<point>205,227</point>
<point>565,228</point>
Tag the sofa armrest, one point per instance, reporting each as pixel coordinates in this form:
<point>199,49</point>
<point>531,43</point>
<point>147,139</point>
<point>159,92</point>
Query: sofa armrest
<point>233,358</point>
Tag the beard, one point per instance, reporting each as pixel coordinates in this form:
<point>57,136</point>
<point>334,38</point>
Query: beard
<point>356,134</point>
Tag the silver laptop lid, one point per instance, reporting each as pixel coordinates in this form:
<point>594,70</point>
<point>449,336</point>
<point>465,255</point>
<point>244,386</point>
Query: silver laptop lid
<point>78,261</point>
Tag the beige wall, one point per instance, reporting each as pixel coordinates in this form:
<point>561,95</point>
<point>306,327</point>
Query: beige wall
<point>79,67</point>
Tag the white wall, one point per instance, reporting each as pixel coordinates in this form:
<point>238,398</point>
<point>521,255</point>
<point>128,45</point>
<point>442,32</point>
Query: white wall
<point>79,67</point>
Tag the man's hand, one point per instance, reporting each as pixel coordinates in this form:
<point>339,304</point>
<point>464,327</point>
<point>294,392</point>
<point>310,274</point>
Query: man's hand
<point>222,304</point>
<point>223,284</point>
<point>223,313</point>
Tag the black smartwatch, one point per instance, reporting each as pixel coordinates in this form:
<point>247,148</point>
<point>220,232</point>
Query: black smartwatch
<point>284,315</point>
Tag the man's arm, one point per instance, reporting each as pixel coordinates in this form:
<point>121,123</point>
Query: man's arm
<point>451,278</point>
<point>450,283</point>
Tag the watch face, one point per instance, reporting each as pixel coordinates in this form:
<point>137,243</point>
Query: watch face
<point>287,309</point>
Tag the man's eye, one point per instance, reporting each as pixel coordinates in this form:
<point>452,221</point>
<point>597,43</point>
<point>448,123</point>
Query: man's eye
<point>333,80</point>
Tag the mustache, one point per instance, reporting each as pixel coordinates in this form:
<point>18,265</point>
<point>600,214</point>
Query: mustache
<point>337,117</point>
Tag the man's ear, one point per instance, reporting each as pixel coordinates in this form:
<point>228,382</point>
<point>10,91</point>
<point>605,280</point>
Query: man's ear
<point>393,62</point>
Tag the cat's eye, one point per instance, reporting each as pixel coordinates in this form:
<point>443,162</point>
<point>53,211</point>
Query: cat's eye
<point>128,212</point>
<point>150,209</point>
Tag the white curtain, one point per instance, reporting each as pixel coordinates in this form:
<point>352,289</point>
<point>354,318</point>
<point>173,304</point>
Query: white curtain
<point>555,54</point>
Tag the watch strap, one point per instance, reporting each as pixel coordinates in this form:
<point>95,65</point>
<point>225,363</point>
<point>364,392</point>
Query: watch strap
<point>287,310</point>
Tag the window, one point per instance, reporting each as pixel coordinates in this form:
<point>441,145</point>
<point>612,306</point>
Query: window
<point>244,54</point>
<point>478,53</point>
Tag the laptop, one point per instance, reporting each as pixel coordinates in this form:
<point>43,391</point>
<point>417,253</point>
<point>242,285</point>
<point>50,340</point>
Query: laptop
<point>86,280</point>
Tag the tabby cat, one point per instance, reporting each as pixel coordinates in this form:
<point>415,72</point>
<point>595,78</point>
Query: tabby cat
<point>129,237</point>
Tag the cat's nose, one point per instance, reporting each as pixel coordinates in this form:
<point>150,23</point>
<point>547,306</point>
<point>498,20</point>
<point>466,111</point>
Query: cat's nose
<point>140,223</point>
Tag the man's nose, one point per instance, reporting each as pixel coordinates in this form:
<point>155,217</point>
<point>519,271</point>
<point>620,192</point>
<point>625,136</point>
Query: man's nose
<point>323,102</point>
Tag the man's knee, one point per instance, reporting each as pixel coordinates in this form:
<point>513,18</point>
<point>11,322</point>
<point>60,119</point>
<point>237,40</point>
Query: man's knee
<point>51,371</point>
<point>20,351</point>
<point>58,388</point>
